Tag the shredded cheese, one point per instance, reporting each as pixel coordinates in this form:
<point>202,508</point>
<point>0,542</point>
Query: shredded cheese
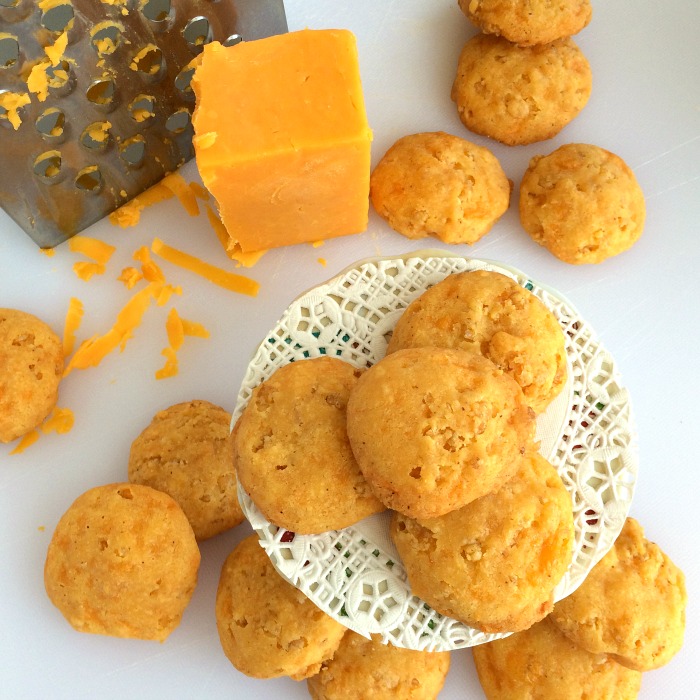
<point>177,185</point>
<point>164,296</point>
<point>92,351</point>
<point>175,329</point>
<point>150,270</point>
<point>322,261</point>
<point>74,317</point>
<point>86,270</point>
<point>60,421</point>
<point>200,192</point>
<point>129,214</point>
<point>222,278</point>
<point>56,50</point>
<point>130,276</point>
<point>27,441</point>
<point>92,248</point>
<point>48,252</point>
<point>98,251</point>
<point>194,329</point>
<point>170,368</point>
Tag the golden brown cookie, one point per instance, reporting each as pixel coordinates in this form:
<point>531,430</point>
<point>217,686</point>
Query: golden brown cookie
<point>631,605</point>
<point>292,450</point>
<point>494,563</point>
<point>31,367</point>
<point>542,664</point>
<point>488,313</point>
<point>187,452</point>
<point>520,94</point>
<point>435,428</point>
<point>531,22</point>
<point>582,203</point>
<point>436,184</point>
<point>122,561</point>
<point>366,669</point>
<point>267,627</point>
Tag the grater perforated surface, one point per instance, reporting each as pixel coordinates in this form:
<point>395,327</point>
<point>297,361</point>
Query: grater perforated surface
<point>95,99</point>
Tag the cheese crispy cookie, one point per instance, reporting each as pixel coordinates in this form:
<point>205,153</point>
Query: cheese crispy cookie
<point>520,94</point>
<point>123,561</point>
<point>542,664</point>
<point>267,627</point>
<point>366,669</point>
<point>436,184</point>
<point>488,313</point>
<point>528,23</point>
<point>292,451</point>
<point>494,563</point>
<point>435,428</point>
<point>631,605</point>
<point>582,203</point>
<point>31,367</point>
<point>187,452</point>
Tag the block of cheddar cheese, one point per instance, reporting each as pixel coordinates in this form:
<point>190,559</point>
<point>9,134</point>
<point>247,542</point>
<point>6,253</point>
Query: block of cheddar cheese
<point>281,137</point>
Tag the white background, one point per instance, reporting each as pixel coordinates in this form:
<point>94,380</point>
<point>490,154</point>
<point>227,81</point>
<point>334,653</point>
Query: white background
<point>645,106</point>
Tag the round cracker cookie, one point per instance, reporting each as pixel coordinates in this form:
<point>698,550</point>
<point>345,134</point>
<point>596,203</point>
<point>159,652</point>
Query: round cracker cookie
<point>488,313</point>
<point>493,564</point>
<point>31,367</point>
<point>541,663</point>
<point>631,605</point>
<point>528,23</point>
<point>292,451</point>
<point>582,203</point>
<point>267,627</point>
<point>123,562</point>
<point>187,452</point>
<point>520,94</point>
<point>436,184</point>
<point>366,668</point>
<point>435,428</point>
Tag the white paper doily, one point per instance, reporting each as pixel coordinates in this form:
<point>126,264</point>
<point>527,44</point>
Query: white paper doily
<point>355,575</point>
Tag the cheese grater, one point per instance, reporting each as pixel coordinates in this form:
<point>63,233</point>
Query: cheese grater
<point>96,102</point>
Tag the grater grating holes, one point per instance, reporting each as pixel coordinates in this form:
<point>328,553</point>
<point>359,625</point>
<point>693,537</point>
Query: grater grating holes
<point>133,151</point>
<point>48,167</point>
<point>101,93</point>
<point>105,37</point>
<point>157,11</point>
<point>51,124</point>
<point>142,108</point>
<point>58,18</point>
<point>9,50</point>
<point>89,180</point>
<point>178,121</point>
<point>197,33</point>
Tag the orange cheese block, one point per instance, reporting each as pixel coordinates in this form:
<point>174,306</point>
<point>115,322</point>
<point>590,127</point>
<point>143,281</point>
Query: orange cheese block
<point>281,137</point>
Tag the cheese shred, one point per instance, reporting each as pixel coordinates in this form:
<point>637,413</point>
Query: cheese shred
<point>185,194</point>
<point>222,278</point>
<point>74,317</point>
<point>92,351</point>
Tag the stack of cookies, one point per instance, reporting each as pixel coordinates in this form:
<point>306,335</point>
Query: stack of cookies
<point>626,618</point>
<point>523,79</point>
<point>441,432</point>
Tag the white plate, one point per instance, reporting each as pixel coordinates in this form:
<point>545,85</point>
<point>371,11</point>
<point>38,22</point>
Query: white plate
<point>355,575</point>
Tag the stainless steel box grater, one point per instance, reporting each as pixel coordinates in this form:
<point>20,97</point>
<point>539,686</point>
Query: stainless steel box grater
<point>85,128</point>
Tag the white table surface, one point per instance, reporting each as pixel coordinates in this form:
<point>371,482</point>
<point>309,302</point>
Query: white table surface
<point>645,106</point>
